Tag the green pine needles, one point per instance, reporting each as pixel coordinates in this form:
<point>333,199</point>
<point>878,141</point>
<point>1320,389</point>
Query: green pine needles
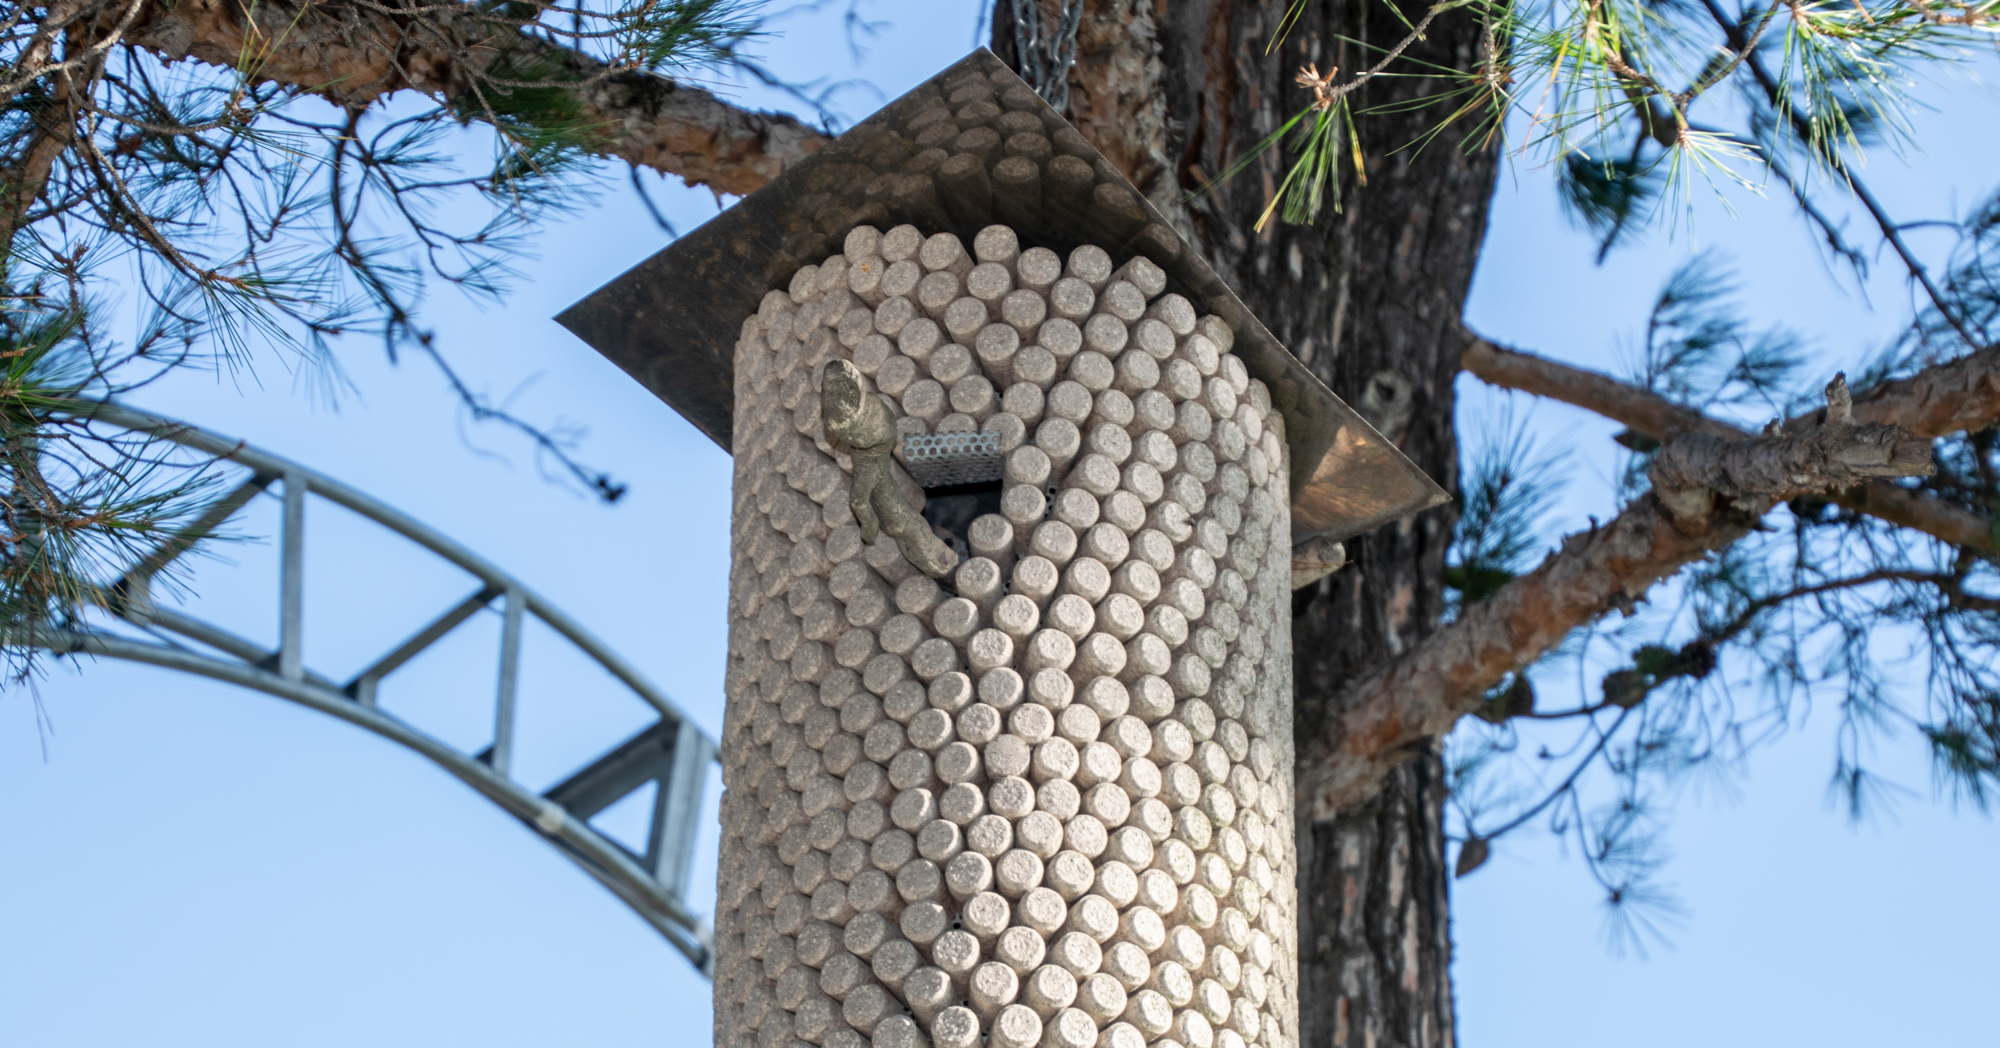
<point>157,215</point>
<point>1619,93</point>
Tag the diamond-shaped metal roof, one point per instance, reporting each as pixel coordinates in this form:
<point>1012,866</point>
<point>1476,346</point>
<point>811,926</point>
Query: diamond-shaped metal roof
<point>672,321</point>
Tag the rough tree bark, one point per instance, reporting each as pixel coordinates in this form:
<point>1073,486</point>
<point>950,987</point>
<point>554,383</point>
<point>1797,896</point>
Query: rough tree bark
<point>1370,299</point>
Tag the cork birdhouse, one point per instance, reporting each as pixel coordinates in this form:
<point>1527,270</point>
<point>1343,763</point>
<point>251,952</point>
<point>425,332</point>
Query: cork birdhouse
<point>1018,481</point>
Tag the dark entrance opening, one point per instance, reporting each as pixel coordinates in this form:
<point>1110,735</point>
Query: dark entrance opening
<point>950,511</point>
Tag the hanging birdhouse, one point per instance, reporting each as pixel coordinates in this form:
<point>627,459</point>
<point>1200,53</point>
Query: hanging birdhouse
<point>1017,484</point>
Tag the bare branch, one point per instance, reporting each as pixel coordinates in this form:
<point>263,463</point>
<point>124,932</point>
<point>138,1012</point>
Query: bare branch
<point>1640,409</point>
<point>1934,517</point>
<point>354,53</point>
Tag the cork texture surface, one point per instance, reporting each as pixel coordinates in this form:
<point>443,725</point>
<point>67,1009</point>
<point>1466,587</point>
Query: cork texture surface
<point>1045,800</point>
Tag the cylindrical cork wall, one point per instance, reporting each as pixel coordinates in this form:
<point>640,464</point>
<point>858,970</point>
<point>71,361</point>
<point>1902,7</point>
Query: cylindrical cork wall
<point>1027,783</point>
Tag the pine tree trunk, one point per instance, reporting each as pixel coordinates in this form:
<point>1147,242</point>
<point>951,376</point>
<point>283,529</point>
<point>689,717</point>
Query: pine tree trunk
<point>1370,299</point>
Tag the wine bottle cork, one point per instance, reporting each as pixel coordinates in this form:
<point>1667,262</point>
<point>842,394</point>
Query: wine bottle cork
<point>1016,1026</point>
<point>928,990</point>
<point>1090,264</point>
<point>1121,300</point>
<point>1092,369</point>
<point>924,399</point>
<point>1093,473</point>
<point>1219,396</point>
<point>1155,339</point>
<point>980,581</point>
<point>1124,510</point>
<point>1058,437</point>
<point>936,292</point>
<point>1053,541</point>
<point>1200,352</point>
<point>957,1027</point>
<point>931,730</point>
<point>1122,616</point>
<point>1029,466</point>
<point>989,282</point>
<point>864,277</point>
<point>966,315</point>
<point>972,396</point>
<point>1109,440</point>
<point>955,619</point>
<point>1038,269</point>
<point>900,243</point>
<point>1067,180</point>
<point>1155,448</point>
<point>1037,366</point>
<point>1144,481</point>
<point>1061,336</point>
<point>1024,505</point>
<point>1017,615</point>
<point>894,961</point>
<point>996,346</point>
<point>989,650</point>
<point>1072,300</point>
<point>1024,310</point>
<point>996,244</point>
<point>1071,400</point>
<point>944,252</point>
<point>993,986</point>
<point>949,363</point>
<point>992,536</point>
<point>967,874</point>
<point>940,841</point>
<point>1072,615</point>
<point>1146,276</point>
<point>1135,372</point>
<point>980,145</point>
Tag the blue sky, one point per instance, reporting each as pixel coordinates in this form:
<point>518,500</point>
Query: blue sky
<point>192,864</point>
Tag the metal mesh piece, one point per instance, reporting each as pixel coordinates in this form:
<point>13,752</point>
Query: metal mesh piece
<point>945,459</point>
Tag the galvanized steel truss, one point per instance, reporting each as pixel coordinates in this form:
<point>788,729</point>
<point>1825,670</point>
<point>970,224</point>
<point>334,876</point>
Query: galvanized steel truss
<point>672,753</point>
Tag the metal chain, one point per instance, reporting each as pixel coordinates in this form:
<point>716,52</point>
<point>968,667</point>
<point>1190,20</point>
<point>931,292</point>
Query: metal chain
<point>1047,71</point>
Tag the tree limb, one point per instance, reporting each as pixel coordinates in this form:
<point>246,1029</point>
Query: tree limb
<point>1949,393</point>
<point>1694,472</point>
<point>354,53</point>
<point>1386,714</point>
<point>1423,693</point>
<point>1641,410</point>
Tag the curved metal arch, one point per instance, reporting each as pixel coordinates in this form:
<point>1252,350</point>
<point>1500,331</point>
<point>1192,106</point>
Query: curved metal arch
<point>673,752</point>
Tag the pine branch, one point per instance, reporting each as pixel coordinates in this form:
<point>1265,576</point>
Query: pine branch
<point>1892,233</point>
<point>1695,473</point>
<point>1943,399</point>
<point>1388,714</point>
<point>1391,711</point>
<point>353,53</point>
<point>1640,409</point>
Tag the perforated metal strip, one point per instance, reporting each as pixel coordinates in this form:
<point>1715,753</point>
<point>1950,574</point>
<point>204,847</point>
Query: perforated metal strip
<point>946,459</point>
